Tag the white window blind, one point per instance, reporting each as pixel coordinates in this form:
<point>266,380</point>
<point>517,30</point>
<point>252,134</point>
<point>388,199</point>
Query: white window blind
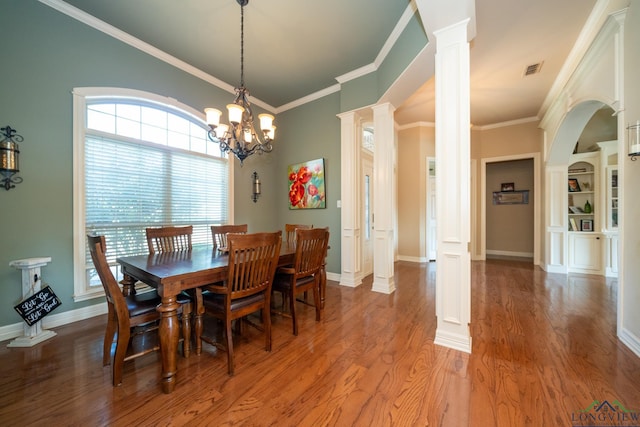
<point>131,184</point>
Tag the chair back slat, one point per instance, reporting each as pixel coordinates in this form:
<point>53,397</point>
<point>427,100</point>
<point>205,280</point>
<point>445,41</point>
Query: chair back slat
<point>219,233</point>
<point>290,231</point>
<point>113,293</point>
<point>253,259</point>
<point>169,239</point>
<point>311,246</point>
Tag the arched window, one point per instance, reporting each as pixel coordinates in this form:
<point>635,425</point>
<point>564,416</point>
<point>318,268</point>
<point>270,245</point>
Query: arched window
<point>140,161</point>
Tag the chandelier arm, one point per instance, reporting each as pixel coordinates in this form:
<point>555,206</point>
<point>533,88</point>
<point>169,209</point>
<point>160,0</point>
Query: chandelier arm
<point>236,135</point>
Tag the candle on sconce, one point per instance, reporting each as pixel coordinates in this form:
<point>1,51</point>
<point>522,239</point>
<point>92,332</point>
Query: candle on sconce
<point>256,187</point>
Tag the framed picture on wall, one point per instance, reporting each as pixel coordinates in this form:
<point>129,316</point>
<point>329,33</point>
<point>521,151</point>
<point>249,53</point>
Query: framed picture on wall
<point>520,197</point>
<point>306,185</point>
<point>574,187</point>
<point>507,186</point>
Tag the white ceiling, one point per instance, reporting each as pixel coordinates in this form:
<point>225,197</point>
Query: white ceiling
<point>294,48</point>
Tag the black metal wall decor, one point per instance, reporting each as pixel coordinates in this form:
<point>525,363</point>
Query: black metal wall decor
<point>9,151</point>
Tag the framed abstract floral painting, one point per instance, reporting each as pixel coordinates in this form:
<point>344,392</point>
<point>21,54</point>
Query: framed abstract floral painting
<point>306,185</point>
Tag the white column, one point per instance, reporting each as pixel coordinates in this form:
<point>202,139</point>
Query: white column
<point>383,197</point>
<point>557,237</point>
<point>350,241</point>
<point>31,283</point>
<point>453,261</point>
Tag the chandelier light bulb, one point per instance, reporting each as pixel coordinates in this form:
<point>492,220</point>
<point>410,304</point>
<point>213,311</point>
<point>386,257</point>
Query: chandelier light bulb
<point>266,121</point>
<point>213,116</point>
<point>239,136</point>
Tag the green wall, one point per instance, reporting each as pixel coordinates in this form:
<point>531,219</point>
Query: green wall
<point>47,54</point>
<point>310,132</point>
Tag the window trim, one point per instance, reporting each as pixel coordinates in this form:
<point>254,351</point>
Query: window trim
<point>82,291</point>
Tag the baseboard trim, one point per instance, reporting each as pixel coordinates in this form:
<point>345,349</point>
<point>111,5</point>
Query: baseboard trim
<point>556,269</point>
<point>54,320</point>
<point>334,277</point>
<point>510,253</point>
<point>630,340</point>
<point>411,259</point>
<point>454,341</point>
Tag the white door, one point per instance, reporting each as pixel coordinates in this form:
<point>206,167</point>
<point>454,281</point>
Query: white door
<point>431,210</point>
<point>367,216</point>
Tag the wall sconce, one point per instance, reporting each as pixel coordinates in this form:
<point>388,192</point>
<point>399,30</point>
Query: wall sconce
<point>9,157</point>
<point>633,139</point>
<point>256,187</point>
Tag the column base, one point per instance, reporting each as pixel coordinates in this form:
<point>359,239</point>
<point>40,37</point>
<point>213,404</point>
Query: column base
<point>452,340</point>
<point>31,341</point>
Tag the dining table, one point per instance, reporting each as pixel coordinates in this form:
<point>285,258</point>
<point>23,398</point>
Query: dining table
<point>170,273</point>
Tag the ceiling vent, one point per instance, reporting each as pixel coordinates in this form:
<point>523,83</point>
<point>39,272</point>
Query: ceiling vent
<point>532,69</point>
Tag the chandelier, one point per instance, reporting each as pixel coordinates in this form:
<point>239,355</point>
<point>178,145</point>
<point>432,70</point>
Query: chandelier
<point>240,137</point>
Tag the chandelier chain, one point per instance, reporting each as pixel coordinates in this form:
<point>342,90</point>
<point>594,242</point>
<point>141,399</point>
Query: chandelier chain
<point>242,45</point>
<point>239,136</point>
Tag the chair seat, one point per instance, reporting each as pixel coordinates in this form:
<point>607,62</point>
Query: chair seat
<point>252,263</point>
<point>215,301</point>
<point>142,303</point>
<point>305,273</point>
<point>184,298</point>
<point>282,282</point>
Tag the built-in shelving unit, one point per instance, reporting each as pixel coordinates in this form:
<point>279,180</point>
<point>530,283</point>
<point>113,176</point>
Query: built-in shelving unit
<point>585,214</point>
<point>582,187</point>
<point>612,197</point>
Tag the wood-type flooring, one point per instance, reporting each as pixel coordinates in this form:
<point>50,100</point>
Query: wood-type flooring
<point>544,350</point>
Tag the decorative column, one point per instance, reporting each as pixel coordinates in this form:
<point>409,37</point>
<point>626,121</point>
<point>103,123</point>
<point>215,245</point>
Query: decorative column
<point>351,243</point>
<point>31,283</point>
<point>383,193</point>
<point>453,260</point>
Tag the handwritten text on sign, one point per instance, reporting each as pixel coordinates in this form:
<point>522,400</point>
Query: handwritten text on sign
<point>38,305</point>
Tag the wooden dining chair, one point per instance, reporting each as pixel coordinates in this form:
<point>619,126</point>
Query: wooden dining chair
<point>219,233</point>
<point>290,231</point>
<point>306,272</point>
<point>127,315</point>
<point>171,239</point>
<point>253,259</point>
<point>166,239</point>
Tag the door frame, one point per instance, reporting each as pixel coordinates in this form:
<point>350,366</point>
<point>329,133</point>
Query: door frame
<point>537,213</point>
<point>427,236</point>
<point>365,158</point>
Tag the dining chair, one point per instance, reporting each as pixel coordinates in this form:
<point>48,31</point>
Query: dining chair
<point>219,233</point>
<point>166,239</point>
<point>252,264</point>
<point>306,272</point>
<point>290,231</point>
<point>171,239</point>
<point>127,315</point>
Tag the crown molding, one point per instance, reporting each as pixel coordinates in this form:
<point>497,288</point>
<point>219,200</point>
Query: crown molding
<point>126,38</point>
<point>507,123</point>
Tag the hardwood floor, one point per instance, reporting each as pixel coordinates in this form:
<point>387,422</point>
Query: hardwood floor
<point>544,348</point>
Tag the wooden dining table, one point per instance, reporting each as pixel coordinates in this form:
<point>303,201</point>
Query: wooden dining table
<point>173,272</point>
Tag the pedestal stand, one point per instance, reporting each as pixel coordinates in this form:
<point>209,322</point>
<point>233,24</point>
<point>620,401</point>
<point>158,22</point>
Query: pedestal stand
<point>31,283</point>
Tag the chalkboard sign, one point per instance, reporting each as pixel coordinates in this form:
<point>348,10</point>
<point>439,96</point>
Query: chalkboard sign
<point>38,305</point>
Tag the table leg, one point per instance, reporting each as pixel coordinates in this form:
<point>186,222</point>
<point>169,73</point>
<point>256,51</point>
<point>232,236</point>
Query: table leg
<point>128,285</point>
<point>323,284</point>
<point>169,337</point>
<point>199,312</point>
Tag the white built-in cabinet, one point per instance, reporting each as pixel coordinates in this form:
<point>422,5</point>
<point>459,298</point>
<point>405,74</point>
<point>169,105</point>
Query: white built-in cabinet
<point>611,226</point>
<point>585,240</point>
<point>592,200</point>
